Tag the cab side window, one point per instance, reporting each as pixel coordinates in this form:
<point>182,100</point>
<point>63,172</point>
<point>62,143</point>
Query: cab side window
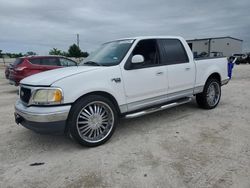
<point>149,50</point>
<point>172,51</point>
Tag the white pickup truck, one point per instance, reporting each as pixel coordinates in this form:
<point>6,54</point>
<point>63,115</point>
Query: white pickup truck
<point>123,78</point>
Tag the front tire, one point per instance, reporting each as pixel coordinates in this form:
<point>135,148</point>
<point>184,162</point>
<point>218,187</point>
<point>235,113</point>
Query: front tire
<point>92,120</point>
<point>210,97</point>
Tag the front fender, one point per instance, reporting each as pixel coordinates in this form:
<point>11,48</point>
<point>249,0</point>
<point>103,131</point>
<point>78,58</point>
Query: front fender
<point>101,80</point>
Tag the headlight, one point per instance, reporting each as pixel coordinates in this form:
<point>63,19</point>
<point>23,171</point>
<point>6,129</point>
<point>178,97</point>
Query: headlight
<point>47,96</point>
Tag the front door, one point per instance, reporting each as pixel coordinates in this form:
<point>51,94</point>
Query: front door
<point>145,83</point>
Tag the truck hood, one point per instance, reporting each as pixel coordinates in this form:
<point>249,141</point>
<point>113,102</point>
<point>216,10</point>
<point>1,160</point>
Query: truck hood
<point>49,77</point>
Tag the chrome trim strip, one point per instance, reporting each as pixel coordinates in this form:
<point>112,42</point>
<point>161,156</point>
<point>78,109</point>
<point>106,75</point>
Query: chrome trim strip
<point>147,102</point>
<point>152,110</point>
<point>123,108</point>
<point>198,89</point>
<point>224,82</point>
<point>156,100</point>
<point>42,114</point>
<point>180,94</point>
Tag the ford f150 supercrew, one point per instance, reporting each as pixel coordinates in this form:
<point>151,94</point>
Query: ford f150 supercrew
<point>123,78</point>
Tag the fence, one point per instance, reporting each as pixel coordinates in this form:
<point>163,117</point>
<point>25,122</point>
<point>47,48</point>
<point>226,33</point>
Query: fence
<point>6,61</point>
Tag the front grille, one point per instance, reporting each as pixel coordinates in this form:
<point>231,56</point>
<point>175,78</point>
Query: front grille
<point>25,94</point>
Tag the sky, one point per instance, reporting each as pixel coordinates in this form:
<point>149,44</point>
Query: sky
<point>40,25</point>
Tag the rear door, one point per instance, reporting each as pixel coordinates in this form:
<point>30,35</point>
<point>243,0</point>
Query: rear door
<point>40,64</point>
<point>34,66</point>
<point>181,71</point>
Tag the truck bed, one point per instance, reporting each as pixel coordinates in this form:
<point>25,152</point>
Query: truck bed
<point>207,66</point>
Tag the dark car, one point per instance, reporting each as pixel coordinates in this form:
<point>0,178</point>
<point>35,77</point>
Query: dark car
<point>241,58</point>
<point>27,66</point>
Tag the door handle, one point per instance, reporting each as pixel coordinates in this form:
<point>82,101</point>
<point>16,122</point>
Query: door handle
<point>187,68</point>
<point>159,73</point>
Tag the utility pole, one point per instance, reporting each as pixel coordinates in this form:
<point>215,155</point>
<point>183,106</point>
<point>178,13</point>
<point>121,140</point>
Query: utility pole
<point>209,46</point>
<point>77,40</point>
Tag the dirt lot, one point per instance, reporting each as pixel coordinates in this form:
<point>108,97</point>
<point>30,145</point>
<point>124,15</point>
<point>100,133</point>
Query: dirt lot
<point>180,147</point>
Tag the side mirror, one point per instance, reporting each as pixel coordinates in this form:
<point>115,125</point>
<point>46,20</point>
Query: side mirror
<point>137,59</point>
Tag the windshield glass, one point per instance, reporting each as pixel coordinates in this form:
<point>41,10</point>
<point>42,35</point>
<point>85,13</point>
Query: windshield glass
<point>108,54</point>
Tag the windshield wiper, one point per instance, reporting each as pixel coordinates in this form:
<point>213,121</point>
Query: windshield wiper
<point>92,63</point>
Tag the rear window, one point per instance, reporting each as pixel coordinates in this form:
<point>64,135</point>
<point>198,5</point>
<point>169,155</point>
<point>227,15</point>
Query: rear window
<point>18,61</point>
<point>172,51</point>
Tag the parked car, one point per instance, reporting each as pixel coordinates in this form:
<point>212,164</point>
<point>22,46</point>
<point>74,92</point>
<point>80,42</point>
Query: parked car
<point>27,66</point>
<point>241,58</point>
<point>206,55</point>
<point>123,78</point>
<point>216,54</point>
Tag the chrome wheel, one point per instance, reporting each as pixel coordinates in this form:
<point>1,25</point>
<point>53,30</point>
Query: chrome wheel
<point>95,122</point>
<point>213,94</point>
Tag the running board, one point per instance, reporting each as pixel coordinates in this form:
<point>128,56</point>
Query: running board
<point>156,109</point>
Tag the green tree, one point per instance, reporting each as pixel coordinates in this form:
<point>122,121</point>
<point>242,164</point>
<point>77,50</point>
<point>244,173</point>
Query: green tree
<point>74,51</point>
<point>20,55</point>
<point>31,53</point>
<point>84,54</point>
<point>11,55</point>
<point>55,51</point>
<point>66,54</point>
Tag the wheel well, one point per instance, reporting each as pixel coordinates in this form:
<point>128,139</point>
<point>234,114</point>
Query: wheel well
<point>104,94</point>
<point>215,76</point>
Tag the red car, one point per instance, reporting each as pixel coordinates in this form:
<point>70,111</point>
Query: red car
<point>26,66</point>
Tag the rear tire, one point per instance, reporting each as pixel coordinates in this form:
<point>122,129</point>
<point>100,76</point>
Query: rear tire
<point>210,97</point>
<point>92,120</point>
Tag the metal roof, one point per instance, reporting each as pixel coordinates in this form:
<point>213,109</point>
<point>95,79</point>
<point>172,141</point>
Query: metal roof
<point>214,38</point>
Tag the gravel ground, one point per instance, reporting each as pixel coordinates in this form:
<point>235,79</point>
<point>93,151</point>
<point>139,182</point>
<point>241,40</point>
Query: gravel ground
<point>181,147</point>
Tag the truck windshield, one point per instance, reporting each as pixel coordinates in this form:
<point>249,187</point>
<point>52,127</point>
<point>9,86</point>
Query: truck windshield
<point>108,54</point>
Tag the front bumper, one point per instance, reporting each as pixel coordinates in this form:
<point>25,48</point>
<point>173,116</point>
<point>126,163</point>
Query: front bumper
<point>12,82</point>
<point>42,119</point>
<point>15,79</point>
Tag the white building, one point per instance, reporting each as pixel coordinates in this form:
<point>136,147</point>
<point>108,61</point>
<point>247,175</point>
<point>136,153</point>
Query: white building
<point>219,45</point>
